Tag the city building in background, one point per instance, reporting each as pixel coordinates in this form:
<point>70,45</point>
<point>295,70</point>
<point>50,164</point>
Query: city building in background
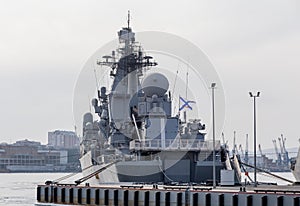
<point>63,139</point>
<point>61,154</point>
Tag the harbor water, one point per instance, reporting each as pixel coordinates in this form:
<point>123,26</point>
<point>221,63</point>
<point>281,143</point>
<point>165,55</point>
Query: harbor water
<point>20,188</point>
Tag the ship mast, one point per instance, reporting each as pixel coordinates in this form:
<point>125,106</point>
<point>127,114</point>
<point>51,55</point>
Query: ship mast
<point>128,20</point>
<point>123,98</point>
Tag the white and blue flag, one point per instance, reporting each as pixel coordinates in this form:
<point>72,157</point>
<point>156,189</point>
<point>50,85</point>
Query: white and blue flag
<point>186,104</point>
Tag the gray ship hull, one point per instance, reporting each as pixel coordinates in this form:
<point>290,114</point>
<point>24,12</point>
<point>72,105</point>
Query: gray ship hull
<point>166,167</point>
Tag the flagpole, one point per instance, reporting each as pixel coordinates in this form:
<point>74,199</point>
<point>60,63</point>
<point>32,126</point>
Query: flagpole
<point>213,118</point>
<point>179,106</point>
<point>187,83</point>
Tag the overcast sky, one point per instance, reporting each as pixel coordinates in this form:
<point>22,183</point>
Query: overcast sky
<point>254,46</point>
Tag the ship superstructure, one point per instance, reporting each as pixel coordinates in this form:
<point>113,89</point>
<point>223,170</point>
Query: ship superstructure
<point>136,128</point>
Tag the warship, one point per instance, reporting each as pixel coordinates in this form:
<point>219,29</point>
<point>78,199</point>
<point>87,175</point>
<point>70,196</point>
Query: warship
<point>135,152</point>
<point>135,137</point>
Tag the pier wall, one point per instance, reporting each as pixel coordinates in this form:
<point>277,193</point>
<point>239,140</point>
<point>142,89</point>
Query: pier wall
<point>161,196</point>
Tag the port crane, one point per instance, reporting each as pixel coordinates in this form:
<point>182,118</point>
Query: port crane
<point>284,152</point>
<point>263,156</point>
<point>225,143</point>
<point>281,148</point>
<point>279,160</point>
<point>234,148</point>
<point>246,158</point>
<point>242,152</point>
<point>260,151</point>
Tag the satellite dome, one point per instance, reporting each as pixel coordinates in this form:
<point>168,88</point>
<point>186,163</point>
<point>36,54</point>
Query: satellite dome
<point>155,83</point>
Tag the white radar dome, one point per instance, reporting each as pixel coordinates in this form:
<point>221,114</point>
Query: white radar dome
<point>155,83</point>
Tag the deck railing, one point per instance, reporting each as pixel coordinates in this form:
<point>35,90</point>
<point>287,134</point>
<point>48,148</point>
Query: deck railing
<point>177,144</point>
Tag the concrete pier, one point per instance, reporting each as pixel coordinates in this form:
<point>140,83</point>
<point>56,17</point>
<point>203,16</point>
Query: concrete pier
<point>153,195</point>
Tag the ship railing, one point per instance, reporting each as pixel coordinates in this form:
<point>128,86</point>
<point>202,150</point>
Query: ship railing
<point>177,144</point>
<point>104,159</point>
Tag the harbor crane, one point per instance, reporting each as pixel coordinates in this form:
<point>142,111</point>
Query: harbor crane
<point>263,156</point>
<point>242,152</point>
<point>223,138</point>
<point>234,148</point>
<point>281,148</point>
<point>279,160</point>
<point>260,151</point>
<point>246,158</point>
<point>225,143</point>
<point>284,152</point>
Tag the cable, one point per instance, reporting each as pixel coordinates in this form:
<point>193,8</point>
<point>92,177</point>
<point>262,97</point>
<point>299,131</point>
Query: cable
<point>165,173</point>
